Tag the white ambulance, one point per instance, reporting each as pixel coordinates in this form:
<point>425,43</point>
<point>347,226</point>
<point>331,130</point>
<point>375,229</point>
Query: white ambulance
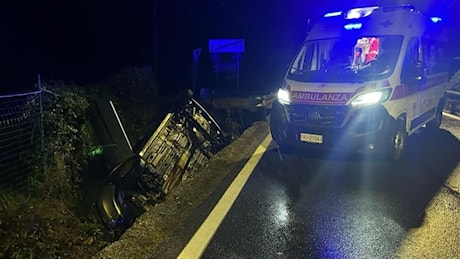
<point>363,80</point>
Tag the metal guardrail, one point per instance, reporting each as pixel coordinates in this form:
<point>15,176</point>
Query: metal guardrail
<point>453,101</point>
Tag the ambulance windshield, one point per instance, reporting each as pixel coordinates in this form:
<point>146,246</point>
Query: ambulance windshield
<point>356,59</point>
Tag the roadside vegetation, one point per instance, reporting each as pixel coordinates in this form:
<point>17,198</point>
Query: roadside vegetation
<point>55,217</point>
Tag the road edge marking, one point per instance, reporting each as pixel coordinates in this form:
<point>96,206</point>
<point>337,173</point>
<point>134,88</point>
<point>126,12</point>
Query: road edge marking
<point>200,240</point>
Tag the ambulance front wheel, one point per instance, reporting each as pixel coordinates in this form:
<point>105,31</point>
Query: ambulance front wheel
<point>278,123</point>
<point>398,144</point>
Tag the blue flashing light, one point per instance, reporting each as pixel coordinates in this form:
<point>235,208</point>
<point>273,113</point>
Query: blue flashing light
<point>332,14</point>
<point>357,13</point>
<point>436,19</point>
<point>353,26</point>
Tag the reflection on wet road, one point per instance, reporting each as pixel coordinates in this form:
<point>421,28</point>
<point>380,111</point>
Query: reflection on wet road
<point>300,205</point>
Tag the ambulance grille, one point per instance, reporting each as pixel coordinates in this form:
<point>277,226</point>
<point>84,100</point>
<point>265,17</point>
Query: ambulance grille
<point>315,115</point>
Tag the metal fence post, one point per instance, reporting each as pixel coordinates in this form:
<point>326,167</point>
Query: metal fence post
<point>42,131</point>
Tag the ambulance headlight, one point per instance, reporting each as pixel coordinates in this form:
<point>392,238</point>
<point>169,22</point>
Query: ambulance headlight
<point>370,98</point>
<point>284,96</point>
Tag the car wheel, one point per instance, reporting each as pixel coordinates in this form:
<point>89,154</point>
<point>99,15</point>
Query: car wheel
<point>126,173</point>
<point>399,141</point>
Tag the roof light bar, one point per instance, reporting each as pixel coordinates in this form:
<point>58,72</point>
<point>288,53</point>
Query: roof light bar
<point>357,13</point>
<point>353,26</point>
<point>332,14</point>
<point>436,19</point>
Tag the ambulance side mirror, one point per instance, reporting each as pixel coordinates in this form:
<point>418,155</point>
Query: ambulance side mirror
<point>415,73</point>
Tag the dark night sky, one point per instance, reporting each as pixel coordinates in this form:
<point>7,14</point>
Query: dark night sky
<point>87,40</point>
<point>72,40</point>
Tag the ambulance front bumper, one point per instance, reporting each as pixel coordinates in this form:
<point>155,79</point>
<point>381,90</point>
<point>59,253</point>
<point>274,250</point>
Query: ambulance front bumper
<point>334,128</point>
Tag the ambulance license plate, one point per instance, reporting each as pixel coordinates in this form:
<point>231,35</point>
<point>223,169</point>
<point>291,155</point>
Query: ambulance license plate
<point>311,138</point>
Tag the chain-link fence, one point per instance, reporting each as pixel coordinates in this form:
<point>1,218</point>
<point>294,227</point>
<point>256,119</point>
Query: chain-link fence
<point>21,138</point>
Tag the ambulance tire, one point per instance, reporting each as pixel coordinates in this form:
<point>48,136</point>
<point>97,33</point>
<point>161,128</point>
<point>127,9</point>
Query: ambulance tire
<point>277,133</point>
<point>436,122</point>
<point>398,145</point>
<point>278,122</point>
<point>279,139</point>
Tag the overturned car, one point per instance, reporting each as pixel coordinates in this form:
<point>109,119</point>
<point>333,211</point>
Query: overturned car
<point>183,142</point>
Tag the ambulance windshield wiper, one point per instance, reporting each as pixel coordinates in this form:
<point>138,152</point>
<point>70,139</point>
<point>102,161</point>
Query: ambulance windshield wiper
<point>297,71</point>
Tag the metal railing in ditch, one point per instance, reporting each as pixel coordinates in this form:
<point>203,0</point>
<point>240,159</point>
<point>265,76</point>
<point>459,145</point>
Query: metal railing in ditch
<point>453,101</point>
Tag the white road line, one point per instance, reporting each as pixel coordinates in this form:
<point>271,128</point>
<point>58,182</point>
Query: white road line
<point>451,116</point>
<point>200,240</point>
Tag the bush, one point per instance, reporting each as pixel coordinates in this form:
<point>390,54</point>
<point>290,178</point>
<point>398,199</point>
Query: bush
<point>35,228</point>
<point>67,140</point>
<point>53,221</point>
<point>44,223</point>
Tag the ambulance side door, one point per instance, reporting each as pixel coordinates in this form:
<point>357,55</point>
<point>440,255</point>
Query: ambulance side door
<point>413,76</point>
<point>436,70</point>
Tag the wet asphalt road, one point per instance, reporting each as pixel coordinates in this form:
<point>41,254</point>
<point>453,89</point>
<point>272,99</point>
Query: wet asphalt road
<point>304,206</point>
